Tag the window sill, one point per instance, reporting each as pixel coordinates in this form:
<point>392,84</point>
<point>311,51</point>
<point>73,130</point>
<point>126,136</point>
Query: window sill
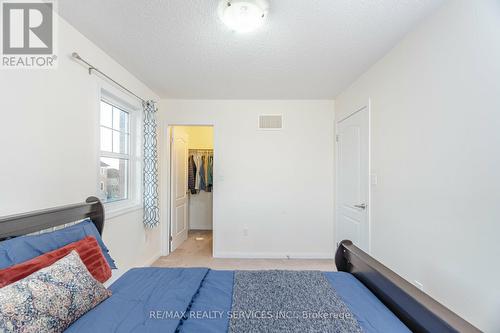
<point>115,209</point>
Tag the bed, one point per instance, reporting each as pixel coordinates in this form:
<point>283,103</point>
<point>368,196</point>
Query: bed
<point>362,296</point>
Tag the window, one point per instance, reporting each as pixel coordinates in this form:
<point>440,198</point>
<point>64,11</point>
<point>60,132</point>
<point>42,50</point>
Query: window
<point>115,156</point>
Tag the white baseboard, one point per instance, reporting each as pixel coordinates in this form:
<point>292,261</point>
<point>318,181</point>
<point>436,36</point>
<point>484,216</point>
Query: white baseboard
<point>152,260</point>
<point>273,255</point>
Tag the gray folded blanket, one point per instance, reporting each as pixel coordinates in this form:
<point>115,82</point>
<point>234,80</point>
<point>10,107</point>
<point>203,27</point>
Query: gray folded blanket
<point>288,301</point>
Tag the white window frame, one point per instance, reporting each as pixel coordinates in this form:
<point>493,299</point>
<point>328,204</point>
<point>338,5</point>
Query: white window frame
<point>134,191</point>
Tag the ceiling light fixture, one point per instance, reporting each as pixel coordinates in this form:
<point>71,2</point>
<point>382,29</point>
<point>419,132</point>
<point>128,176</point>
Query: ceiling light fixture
<point>243,15</point>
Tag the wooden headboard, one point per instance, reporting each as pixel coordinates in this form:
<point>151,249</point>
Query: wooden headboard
<point>26,223</point>
<point>417,310</point>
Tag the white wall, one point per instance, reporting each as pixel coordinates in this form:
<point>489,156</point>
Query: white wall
<point>49,138</point>
<point>436,150</point>
<point>201,211</point>
<point>277,184</point>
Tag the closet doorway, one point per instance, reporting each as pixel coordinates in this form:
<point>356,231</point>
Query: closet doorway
<point>191,188</point>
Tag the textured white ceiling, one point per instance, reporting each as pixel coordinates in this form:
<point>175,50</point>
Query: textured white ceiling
<point>307,49</point>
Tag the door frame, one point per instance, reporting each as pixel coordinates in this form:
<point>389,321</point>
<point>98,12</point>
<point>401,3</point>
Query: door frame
<point>165,157</point>
<point>343,117</point>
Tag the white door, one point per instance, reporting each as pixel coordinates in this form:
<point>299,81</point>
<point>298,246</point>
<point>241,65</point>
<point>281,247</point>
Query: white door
<point>179,195</point>
<point>353,179</point>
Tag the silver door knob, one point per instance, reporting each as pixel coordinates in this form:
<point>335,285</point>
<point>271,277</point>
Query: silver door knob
<point>362,206</point>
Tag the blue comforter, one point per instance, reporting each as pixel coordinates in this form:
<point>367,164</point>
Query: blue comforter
<point>199,300</point>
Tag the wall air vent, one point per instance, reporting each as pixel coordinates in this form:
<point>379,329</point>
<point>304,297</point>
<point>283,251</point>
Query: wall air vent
<point>271,122</point>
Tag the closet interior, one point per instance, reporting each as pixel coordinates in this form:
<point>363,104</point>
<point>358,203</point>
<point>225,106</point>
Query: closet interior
<point>200,188</point>
<point>192,184</point>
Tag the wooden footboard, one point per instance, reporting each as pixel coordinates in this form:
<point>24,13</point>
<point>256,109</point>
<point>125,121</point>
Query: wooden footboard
<point>414,308</point>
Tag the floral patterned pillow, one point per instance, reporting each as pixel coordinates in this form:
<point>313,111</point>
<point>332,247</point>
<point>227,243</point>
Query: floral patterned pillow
<point>50,299</point>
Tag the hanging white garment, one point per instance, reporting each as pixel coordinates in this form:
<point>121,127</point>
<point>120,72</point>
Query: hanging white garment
<point>197,161</point>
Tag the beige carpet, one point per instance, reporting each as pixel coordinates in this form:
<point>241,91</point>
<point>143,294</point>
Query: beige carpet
<point>197,252</point>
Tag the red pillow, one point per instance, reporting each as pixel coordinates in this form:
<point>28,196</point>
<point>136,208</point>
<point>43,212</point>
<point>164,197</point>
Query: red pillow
<point>88,249</point>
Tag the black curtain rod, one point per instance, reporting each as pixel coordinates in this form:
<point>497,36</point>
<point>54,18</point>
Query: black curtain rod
<point>93,68</point>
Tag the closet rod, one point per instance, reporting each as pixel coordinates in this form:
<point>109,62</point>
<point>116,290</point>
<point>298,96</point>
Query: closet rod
<point>93,68</point>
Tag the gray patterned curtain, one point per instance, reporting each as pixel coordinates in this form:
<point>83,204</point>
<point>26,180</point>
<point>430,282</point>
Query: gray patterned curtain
<point>151,209</point>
